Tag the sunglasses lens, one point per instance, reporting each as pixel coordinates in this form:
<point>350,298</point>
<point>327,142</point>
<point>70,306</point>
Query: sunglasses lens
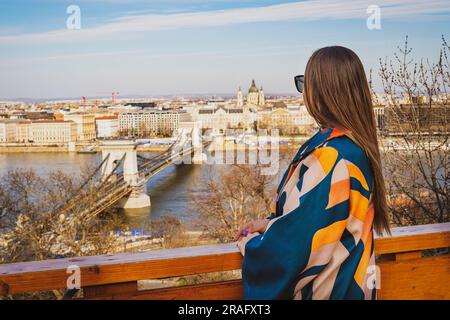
<point>299,80</point>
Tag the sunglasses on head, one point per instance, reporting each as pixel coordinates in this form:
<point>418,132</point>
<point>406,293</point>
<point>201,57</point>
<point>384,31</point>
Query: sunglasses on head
<point>299,81</point>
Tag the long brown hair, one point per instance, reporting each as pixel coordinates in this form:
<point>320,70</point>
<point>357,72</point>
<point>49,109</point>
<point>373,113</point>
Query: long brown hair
<point>337,95</point>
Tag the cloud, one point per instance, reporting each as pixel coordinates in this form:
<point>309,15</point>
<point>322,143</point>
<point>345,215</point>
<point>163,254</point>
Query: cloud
<point>149,54</point>
<point>297,11</point>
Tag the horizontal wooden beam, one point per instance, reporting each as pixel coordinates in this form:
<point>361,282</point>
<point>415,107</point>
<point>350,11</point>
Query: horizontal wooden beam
<point>224,290</point>
<point>118,268</point>
<point>110,290</point>
<point>414,238</point>
<point>422,278</point>
<point>127,267</point>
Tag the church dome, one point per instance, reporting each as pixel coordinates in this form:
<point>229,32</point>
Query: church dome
<point>253,88</point>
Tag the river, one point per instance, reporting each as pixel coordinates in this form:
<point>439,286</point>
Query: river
<point>171,190</point>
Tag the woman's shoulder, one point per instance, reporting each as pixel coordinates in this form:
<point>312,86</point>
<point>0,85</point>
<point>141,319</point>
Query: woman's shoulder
<point>352,153</point>
<point>329,146</point>
<point>339,141</point>
<point>347,148</point>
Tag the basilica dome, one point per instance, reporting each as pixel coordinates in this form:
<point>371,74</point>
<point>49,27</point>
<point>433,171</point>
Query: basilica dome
<point>253,88</point>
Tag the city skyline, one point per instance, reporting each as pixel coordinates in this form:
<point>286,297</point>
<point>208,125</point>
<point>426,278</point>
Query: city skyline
<point>189,47</point>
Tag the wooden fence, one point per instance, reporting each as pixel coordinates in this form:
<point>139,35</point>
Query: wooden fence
<point>409,269</point>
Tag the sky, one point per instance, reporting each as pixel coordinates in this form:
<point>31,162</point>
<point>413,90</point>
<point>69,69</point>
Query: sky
<point>180,47</point>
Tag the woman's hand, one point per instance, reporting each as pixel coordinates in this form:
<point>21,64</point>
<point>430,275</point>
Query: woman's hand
<point>251,227</point>
<point>243,241</point>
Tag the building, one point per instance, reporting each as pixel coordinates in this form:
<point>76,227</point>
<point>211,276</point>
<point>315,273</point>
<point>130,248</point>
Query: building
<point>148,123</point>
<point>38,132</point>
<point>38,115</point>
<point>255,96</point>
<point>240,98</point>
<point>31,115</point>
<point>85,125</point>
<point>52,131</point>
<point>107,126</point>
<point>23,132</point>
<point>287,119</point>
<point>8,130</point>
<point>380,119</point>
<point>222,118</point>
<point>142,105</point>
<point>301,118</point>
<point>405,119</point>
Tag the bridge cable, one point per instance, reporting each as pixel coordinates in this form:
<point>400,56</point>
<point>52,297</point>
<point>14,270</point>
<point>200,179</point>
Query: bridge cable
<point>94,173</point>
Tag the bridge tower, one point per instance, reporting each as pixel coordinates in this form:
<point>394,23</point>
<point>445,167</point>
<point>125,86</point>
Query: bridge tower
<point>191,132</point>
<point>126,150</point>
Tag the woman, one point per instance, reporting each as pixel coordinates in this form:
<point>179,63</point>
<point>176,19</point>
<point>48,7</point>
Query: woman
<point>318,242</point>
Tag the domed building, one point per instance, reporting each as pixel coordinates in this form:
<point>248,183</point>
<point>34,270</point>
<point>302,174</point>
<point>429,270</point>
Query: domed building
<point>255,96</point>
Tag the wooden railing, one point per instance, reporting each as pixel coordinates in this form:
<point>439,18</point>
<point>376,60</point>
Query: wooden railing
<point>408,270</point>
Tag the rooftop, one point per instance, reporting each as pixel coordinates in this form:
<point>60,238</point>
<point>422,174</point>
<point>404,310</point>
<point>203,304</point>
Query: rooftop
<point>50,121</point>
<point>107,117</point>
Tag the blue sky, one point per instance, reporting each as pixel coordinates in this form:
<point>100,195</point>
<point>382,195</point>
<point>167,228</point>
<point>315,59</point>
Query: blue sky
<point>159,47</point>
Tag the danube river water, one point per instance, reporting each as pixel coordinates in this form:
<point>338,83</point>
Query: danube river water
<point>171,191</point>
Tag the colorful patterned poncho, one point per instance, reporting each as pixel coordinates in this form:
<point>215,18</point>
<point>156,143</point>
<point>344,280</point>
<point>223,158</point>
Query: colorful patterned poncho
<point>319,241</point>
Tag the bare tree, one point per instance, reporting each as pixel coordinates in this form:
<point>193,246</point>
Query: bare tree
<point>236,196</point>
<point>171,230</point>
<point>33,227</point>
<point>416,136</point>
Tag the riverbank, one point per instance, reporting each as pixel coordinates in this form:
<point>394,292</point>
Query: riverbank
<point>143,148</point>
<point>65,149</point>
<point>33,149</point>
<point>284,143</point>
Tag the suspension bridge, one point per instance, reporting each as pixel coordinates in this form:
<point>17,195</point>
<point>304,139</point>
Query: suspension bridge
<point>124,174</point>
